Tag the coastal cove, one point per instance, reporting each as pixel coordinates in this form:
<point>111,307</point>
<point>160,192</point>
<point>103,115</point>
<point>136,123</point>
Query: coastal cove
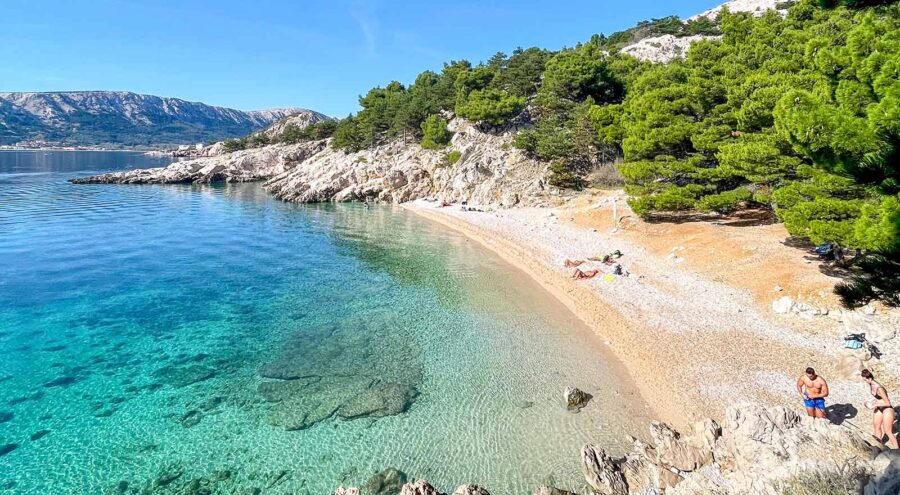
<point>154,335</point>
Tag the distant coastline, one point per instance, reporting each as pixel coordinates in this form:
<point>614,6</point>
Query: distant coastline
<point>90,148</point>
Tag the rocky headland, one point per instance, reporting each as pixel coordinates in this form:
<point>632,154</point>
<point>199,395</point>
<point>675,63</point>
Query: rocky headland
<point>479,166</point>
<point>240,166</point>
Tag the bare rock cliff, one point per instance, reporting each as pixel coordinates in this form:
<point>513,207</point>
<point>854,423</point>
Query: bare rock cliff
<point>488,170</point>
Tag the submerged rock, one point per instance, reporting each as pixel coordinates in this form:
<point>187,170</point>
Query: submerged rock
<point>379,400</point>
<point>39,435</point>
<point>352,369</point>
<point>191,418</point>
<point>575,398</point>
<point>62,381</point>
<point>7,448</point>
<point>168,476</point>
<point>387,482</point>
<point>6,416</point>
<point>182,376</point>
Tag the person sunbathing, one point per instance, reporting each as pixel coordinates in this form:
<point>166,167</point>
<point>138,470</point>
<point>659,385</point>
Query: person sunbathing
<point>573,264</point>
<point>579,275</point>
<point>608,259</point>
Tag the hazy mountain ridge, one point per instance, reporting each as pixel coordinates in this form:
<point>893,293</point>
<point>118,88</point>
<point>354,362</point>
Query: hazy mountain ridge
<point>122,118</point>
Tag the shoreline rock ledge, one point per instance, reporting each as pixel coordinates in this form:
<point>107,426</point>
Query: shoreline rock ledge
<point>240,166</point>
<point>478,167</point>
<point>757,451</point>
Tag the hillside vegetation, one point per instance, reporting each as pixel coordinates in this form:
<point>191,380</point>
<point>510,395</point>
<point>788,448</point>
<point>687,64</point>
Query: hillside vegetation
<point>795,114</point>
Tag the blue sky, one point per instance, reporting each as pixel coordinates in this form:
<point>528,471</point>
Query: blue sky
<point>271,53</point>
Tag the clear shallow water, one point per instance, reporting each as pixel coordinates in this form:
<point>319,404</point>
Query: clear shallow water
<point>146,333</point>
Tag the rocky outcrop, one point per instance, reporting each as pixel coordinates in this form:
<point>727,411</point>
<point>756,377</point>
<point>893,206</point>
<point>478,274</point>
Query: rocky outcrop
<point>756,451</point>
<point>240,166</point>
<point>601,472</point>
<point>487,170</point>
<point>419,487</point>
<point>478,168</point>
<point>386,482</point>
<point>755,7</point>
<point>470,490</point>
<point>667,47</point>
<point>300,119</point>
<point>662,49</point>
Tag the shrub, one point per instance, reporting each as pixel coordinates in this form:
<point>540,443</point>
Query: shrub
<point>452,157</point>
<point>434,133</point>
<point>232,145</point>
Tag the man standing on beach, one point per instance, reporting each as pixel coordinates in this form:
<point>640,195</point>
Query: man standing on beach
<point>813,389</point>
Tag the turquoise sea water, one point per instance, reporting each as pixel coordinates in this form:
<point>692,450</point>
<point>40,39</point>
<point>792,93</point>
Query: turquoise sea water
<point>185,339</point>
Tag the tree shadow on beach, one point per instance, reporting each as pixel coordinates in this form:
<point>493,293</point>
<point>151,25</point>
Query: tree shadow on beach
<point>805,245</point>
<point>743,218</point>
<point>838,413</point>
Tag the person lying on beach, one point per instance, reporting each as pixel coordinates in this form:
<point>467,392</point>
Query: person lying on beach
<point>608,258</point>
<point>579,275</point>
<point>882,411</point>
<point>813,389</point>
<point>573,264</point>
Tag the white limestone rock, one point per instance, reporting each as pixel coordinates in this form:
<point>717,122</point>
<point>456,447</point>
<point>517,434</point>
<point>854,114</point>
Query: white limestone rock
<point>470,490</point>
<point>662,49</point>
<point>489,171</point>
<point>419,487</point>
<point>601,472</point>
<point>783,305</point>
<point>240,166</point>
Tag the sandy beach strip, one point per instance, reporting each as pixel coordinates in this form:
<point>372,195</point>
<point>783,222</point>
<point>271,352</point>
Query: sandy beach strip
<point>692,344</point>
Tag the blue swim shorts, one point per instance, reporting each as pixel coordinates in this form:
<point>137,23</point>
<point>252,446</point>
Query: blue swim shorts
<point>815,403</point>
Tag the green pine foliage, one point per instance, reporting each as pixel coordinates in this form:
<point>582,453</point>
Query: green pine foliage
<point>490,93</point>
<point>563,132</point>
<point>792,114</point>
<point>292,133</point>
<point>798,114</point>
<point>434,133</point>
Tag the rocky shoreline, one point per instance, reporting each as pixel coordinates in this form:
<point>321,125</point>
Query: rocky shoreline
<point>756,451</point>
<point>240,166</point>
<point>478,167</point>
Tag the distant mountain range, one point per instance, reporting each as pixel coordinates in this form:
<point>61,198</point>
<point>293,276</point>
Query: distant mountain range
<point>124,119</point>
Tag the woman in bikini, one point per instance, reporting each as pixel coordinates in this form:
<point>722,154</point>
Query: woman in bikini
<point>883,412</point>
